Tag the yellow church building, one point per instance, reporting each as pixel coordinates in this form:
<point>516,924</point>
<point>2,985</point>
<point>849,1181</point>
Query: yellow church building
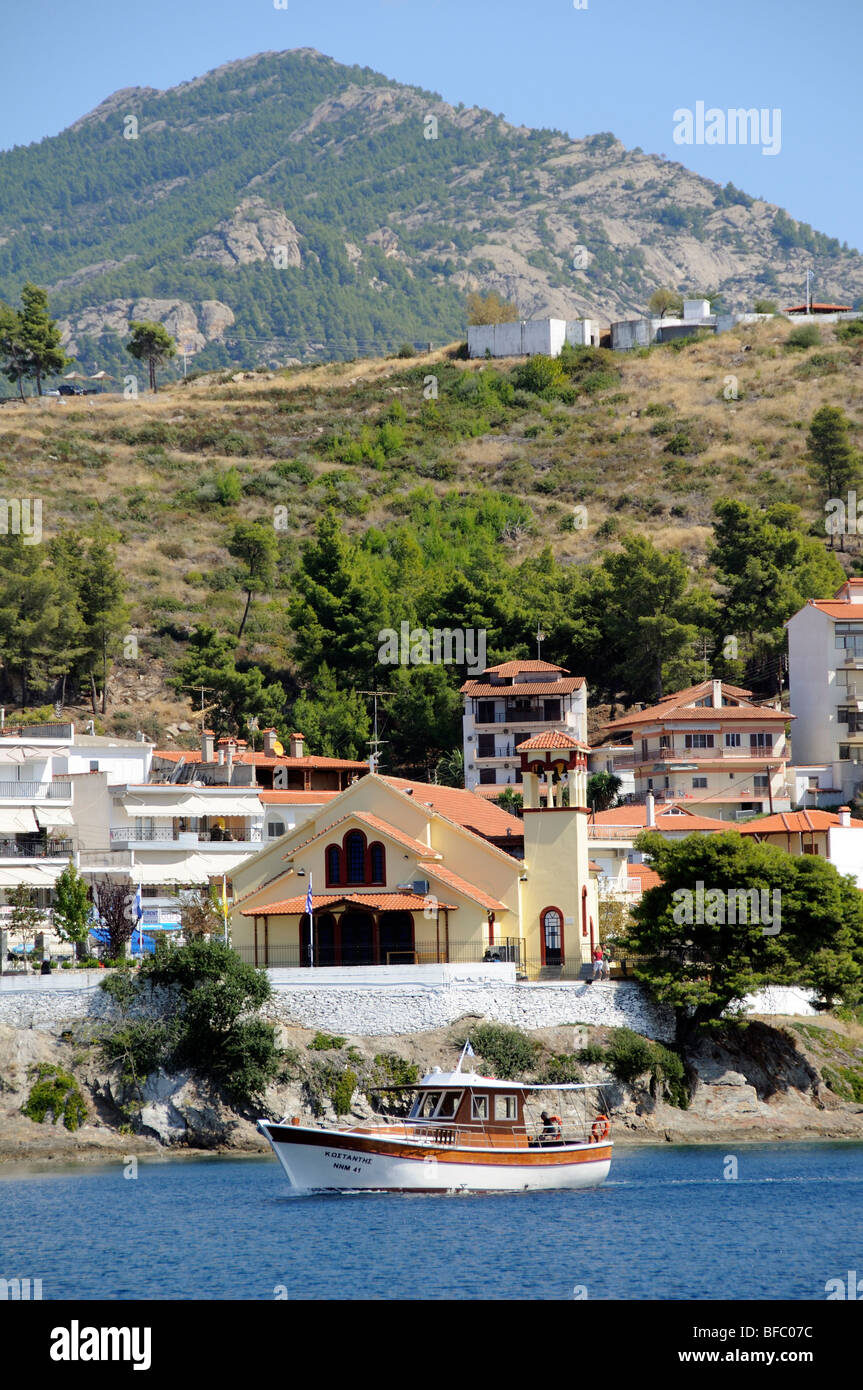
<point>399,872</point>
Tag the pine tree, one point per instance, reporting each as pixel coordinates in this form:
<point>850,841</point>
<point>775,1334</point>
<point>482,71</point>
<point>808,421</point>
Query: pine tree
<point>40,335</point>
<point>150,343</point>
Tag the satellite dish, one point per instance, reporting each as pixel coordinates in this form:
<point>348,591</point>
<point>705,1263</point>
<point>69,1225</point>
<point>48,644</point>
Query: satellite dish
<point>278,749</point>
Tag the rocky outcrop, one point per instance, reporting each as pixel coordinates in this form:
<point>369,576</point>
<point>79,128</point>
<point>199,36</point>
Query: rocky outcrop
<point>254,232</point>
<point>192,327</point>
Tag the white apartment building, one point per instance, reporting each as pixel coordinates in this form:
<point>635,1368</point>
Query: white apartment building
<point>825,668</point>
<point>51,778</point>
<point>506,705</point>
<point>712,747</point>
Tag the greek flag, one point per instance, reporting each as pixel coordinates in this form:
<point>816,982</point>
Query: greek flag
<point>139,914</point>
<point>468,1050</point>
<point>309,911</point>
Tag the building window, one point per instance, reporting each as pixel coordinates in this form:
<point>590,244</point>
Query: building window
<point>485,746</point>
<point>551,710</point>
<point>698,740</point>
<point>353,863</point>
<point>844,752</point>
<point>664,741</point>
<point>487,774</point>
<point>275,829</point>
<point>760,740</point>
<point>762,783</point>
<point>377,864</point>
<point>732,740</point>
<point>551,936</point>
<point>94,765</point>
<point>355,856</point>
<point>699,782</point>
<point>485,712</point>
<point>334,865</point>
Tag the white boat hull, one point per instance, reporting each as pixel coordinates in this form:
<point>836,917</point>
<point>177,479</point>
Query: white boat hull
<point>319,1160</point>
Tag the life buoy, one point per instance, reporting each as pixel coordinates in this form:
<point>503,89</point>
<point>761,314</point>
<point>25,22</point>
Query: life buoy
<point>600,1129</point>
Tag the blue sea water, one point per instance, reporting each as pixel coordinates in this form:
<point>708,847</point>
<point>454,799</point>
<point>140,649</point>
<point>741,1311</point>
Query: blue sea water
<point>666,1225</point>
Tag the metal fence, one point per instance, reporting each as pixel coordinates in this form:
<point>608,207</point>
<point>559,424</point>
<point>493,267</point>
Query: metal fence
<point>421,953</point>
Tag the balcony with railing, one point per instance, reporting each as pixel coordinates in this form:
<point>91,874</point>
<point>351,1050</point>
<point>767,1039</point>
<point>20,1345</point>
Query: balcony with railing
<point>34,731</point>
<point>35,849</point>
<point>231,837</point>
<point>36,791</point>
<point>693,755</point>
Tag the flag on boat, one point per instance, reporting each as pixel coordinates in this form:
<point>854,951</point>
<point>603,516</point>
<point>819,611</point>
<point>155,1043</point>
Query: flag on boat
<point>468,1050</point>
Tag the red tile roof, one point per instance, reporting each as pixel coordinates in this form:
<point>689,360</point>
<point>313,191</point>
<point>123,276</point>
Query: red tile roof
<point>681,706</point>
<point>461,885</point>
<point>384,902</point>
<point>561,687</point>
<point>649,877</point>
<point>261,759</point>
<point>551,739</point>
<point>794,822</point>
<point>818,308</point>
<point>471,812</point>
<point>838,608</point>
<point>512,668</point>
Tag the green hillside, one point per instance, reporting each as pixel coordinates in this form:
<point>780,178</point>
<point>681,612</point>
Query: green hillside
<point>289,206</point>
<point>577,495</point>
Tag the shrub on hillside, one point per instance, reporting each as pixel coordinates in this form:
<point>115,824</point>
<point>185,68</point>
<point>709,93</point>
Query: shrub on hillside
<point>806,335</point>
<point>508,1051</point>
<point>57,1094</point>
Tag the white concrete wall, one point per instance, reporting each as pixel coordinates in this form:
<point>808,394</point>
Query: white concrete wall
<point>812,659</point>
<point>845,850</point>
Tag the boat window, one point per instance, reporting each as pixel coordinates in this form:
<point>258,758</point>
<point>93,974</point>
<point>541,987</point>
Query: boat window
<point>428,1104</point>
<point>449,1105</point>
<point>480,1108</point>
<point>506,1107</point>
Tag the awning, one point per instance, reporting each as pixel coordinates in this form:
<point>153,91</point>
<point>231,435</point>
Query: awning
<point>17,820</point>
<point>51,816</point>
<point>188,868</point>
<point>193,804</point>
<point>30,875</point>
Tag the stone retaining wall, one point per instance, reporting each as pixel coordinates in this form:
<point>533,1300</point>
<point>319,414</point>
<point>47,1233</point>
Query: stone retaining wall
<point>386,1009</point>
<point>409,1007</point>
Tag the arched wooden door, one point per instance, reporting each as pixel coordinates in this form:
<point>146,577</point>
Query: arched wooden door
<point>551,936</point>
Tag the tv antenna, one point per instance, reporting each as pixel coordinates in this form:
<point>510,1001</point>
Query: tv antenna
<point>375,741</point>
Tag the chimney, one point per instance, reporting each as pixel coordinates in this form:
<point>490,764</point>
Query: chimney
<point>230,758</point>
<point>717,694</point>
<point>221,757</point>
<point>270,739</point>
<point>845,815</point>
<point>651,814</point>
<point>207,737</point>
<point>296,746</point>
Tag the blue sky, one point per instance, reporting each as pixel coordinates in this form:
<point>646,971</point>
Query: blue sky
<point>619,65</point>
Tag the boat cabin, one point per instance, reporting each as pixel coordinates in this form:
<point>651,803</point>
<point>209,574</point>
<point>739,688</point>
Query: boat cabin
<point>467,1101</point>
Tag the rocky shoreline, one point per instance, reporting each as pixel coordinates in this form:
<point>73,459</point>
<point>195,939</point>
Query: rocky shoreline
<point>785,1081</point>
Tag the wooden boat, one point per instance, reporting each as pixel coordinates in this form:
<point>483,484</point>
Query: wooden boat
<point>464,1133</point>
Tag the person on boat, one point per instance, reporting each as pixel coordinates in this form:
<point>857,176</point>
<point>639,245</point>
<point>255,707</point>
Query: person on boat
<point>550,1125</point>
